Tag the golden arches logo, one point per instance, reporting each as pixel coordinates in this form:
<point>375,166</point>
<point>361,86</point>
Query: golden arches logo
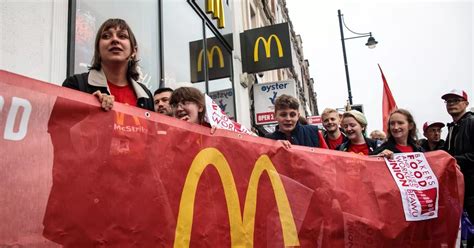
<point>266,45</point>
<point>216,7</point>
<point>210,57</point>
<point>120,119</point>
<point>241,229</point>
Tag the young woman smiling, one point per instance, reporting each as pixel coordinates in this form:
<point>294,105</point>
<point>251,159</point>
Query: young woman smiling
<point>189,104</point>
<point>401,135</point>
<point>354,124</point>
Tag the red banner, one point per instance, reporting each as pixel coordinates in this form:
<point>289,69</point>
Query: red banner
<point>74,175</point>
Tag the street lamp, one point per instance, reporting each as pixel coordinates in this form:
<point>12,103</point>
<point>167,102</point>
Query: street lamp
<point>371,43</point>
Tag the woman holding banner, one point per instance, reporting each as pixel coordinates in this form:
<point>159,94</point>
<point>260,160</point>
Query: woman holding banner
<point>354,124</point>
<point>401,135</point>
<point>114,73</point>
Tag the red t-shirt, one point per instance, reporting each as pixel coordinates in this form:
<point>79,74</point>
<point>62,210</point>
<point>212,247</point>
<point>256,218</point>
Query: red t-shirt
<point>362,149</point>
<point>404,148</point>
<point>123,94</point>
<point>333,144</point>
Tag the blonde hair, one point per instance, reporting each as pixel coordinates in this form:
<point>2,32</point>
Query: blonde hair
<point>327,111</point>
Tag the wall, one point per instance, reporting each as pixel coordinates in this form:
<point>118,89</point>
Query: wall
<point>34,38</point>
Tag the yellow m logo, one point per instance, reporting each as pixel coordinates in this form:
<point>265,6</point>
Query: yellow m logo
<point>120,119</point>
<point>217,9</point>
<point>241,231</point>
<point>210,57</point>
<point>266,44</point>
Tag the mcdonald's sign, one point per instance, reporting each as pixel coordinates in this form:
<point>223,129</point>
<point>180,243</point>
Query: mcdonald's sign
<point>210,58</point>
<point>217,59</point>
<point>266,48</point>
<point>241,226</point>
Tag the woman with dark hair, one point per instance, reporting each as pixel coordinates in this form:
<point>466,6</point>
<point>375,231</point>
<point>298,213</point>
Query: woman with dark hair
<point>114,74</point>
<point>189,104</point>
<point>354,124</point>
<point>401,135</point>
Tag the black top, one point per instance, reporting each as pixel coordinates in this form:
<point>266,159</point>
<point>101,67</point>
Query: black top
<point>303,135</point>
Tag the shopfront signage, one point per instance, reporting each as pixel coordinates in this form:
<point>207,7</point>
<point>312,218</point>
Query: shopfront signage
<point>266,48</point>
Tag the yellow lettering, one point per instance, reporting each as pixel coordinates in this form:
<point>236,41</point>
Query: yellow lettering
<point>266,45</point>
<point>241,231</point>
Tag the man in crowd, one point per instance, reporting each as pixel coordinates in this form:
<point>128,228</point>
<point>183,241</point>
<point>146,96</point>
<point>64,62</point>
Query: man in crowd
<point>333,136</point>
<point>432,132</point>
<point>289,130</point>
<point>161,98</point>
<point>460,144</point>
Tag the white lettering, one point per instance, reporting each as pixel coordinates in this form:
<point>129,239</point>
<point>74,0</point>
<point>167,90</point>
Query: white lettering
<point>9,133</point>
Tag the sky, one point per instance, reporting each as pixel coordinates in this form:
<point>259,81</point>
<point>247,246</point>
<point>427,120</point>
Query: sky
<point>425,49</point>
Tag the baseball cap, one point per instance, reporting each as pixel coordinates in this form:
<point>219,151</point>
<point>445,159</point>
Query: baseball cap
<point>455,92</point>
<point>432,124</point>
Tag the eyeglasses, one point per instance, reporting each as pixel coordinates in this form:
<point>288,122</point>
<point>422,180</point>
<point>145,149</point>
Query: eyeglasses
<point>453,101</point>
<point>181,104</point>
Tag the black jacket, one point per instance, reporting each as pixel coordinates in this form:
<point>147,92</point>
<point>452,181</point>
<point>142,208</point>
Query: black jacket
<point>424,143</point>
<point>460,142</point>
<point>391,145</point>
<point>94,80</point>
<point>372,144</point>
<point>303,135</point>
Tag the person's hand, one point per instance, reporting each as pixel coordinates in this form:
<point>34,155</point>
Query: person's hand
<point>385,153</point>
<point>107,101</point>
<point>286,144</point>
<point>213,129</point>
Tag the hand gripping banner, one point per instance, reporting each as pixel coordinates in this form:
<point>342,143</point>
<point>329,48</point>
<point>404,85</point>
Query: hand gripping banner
<point>72,175</point>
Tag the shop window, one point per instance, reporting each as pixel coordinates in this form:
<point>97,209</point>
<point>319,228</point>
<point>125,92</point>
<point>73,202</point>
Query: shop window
<point>181,27</point>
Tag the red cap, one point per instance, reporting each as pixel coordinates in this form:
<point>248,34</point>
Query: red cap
<point>455,92</point>
<point>432,124</point>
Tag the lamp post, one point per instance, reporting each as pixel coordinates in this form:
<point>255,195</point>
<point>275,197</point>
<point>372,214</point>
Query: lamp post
<point>371,43</point>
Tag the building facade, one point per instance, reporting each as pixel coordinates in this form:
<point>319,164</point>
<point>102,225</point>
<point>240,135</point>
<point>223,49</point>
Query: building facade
<point>50,40</point>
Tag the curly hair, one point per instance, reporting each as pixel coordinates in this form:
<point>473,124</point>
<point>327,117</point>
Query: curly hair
<point>132,71</point>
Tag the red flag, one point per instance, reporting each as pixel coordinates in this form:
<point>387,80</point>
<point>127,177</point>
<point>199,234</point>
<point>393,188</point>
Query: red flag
<point>388,102</point>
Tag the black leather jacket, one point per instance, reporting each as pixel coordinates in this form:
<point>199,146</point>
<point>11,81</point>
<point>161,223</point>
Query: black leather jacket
<point>460,142</point>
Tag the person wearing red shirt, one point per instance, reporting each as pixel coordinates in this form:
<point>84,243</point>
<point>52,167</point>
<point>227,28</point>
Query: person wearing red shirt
<point>401,136</point>
<point>331,121</point>
<point>114,74</point>
<point>354,124</point>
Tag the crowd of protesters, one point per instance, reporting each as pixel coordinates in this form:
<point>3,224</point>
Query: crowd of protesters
<point>114,77</point>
